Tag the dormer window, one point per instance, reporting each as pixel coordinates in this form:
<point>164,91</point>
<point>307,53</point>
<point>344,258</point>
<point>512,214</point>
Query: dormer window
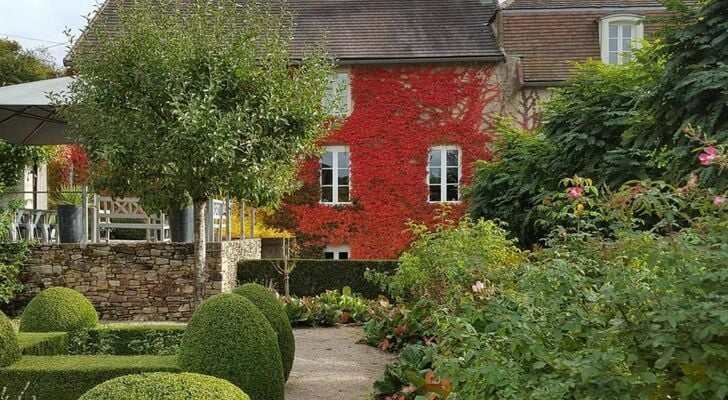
<point>618,35</point>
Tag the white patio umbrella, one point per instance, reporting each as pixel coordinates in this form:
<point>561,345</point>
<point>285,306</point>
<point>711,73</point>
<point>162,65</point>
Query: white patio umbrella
<point>26,115</point>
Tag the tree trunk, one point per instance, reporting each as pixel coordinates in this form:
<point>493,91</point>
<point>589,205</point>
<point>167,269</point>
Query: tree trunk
<point>200,247</point>
<point>287,283</point>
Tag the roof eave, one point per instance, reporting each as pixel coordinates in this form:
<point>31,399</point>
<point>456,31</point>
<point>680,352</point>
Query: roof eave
<point>495,58</point>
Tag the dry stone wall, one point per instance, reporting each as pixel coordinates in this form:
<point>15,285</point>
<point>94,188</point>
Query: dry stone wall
<point>135,281</point>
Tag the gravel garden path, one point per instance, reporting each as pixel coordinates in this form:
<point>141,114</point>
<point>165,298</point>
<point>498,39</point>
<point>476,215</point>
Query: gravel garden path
<point>331,365</point>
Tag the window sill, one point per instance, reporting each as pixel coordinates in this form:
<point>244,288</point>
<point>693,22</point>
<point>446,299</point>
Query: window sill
<point>335,204</point>
<point>445,202</point>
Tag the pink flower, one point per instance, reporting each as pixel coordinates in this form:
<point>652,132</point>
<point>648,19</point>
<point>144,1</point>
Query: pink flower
<point>574,193</point>
<point>719,200</point>
<point>478,287</point>
<point>708,156</point>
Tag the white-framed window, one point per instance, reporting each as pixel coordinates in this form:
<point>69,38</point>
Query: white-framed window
<point>339,252</point>
<point>619,34</point>
<point>337,98</point>
<point>443,174</point>
<point>335,175</point>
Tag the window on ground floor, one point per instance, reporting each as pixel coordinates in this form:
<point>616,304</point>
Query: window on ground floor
<point>338,252</point>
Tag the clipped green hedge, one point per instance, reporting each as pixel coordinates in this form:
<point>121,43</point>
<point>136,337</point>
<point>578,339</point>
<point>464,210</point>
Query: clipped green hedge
<point>9,348</point>
<point>127,339</point>
<point>313,277</point>
<point>69,377</point>
<point>58,309</point>
<point>273,310</point>
<point>165,386</point>
<point>229,338</point>
<point>43,343</point>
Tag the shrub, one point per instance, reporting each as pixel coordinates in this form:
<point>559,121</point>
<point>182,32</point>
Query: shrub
<point>313,277</point>
<point>451,257</point>
<point>128,339</point>
<point>643,317</point>
<point>69,377</point>
<point>11,256</point>
<point>43,343</point>
<point>272,309</point>
<point>58,310</point>
<point>229,338</point>
<point>165,386</point>
<point>9,348</point>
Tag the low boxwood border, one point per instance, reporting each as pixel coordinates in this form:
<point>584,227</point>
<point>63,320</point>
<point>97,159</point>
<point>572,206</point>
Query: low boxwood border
<point>69,377</point>
<point>313,277</point>
<point>43,344</point>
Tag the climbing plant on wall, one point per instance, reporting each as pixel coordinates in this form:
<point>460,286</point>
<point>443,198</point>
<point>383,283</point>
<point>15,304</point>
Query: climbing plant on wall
<point>398,114</point>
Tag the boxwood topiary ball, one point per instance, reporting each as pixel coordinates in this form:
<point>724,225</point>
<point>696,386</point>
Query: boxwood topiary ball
<point>165,386</point>
<point>273,310</point>
<point>9,348</point>
<point>58,309</point>
<point>229,338</point>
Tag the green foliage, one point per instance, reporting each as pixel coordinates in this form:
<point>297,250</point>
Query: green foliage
<point>58,309</point>
<point>619,123</point>
<point>268,303</point>
<point>128,339</point>
<point>229,338</point>
<point>639,318</point>
<point>206,104</point>
<point>392,327</point>
<point>508,188</point>
<point>450,257</point>
<point>20,66</point>
<point>9,348</point>
<point>69,377</point>
<point>313,277</point>
<point>165,386</point>
<point>11,257</point>
<point>43,343</point>
<point>69,196</point>
<point>589,118</point>
<point>412,378</point>
<point>692,89</point>
<point>328,309</point>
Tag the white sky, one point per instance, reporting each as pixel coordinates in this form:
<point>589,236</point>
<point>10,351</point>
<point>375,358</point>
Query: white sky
<point>45,20</point>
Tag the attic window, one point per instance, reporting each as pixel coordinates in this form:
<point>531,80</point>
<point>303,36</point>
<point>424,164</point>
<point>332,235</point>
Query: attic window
<point>619,34</point>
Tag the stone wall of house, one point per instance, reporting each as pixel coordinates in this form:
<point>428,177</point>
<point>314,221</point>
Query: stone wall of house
<point>135,281</point>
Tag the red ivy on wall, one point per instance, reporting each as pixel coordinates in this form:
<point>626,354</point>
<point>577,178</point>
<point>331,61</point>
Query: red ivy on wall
<point>398,114</point>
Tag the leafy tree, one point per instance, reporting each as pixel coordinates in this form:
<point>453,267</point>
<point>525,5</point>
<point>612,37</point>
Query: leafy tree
<point>510,187</point>
<point>193,100</point>
<point>693,89</point>
<point>617,123</point>
<point>19,66</point>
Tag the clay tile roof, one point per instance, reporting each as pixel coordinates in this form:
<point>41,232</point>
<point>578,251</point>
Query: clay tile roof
<point>386,30</point>
<point>560,4</point>
<point>549,36</point>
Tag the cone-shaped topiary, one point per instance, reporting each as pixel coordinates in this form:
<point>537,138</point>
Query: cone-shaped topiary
<point>58,309</point>
<point>165,386</point>
<point>229,338</point>
<point>271,307</point>
<point>9,348</point>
